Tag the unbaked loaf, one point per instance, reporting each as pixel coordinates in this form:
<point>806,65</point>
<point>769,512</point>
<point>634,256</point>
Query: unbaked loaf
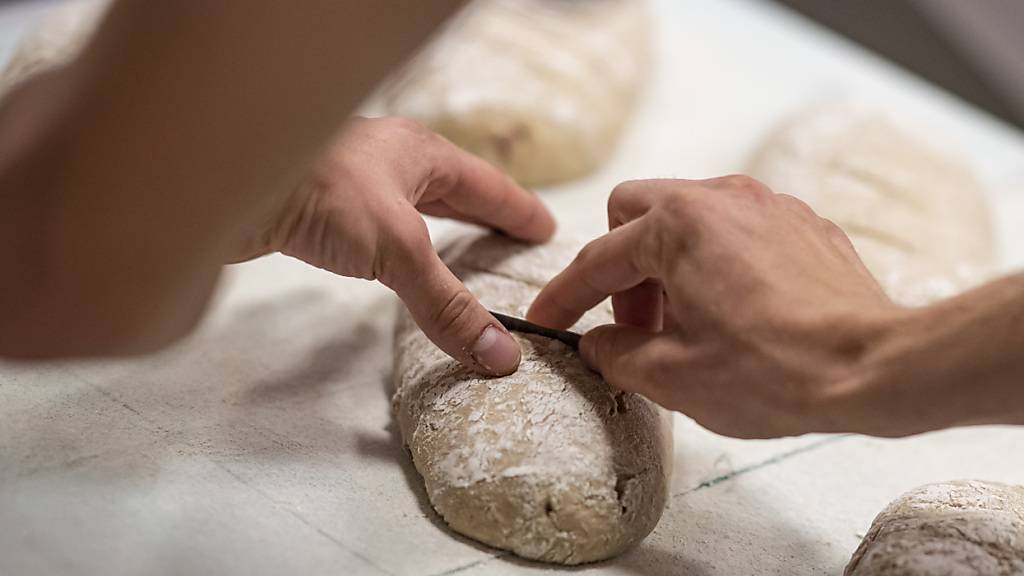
<point>57,37</point>
<point>550,462</point>
<point>914,210</point>
<point>960,528</point>
<point>541,88</point>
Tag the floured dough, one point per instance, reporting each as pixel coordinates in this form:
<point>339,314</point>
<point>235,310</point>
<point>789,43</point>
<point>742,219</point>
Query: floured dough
<point>541,88</point>
<point>550,462</point>
<point>916,214</point>
<point>960,528</point>
<point>57,38</point>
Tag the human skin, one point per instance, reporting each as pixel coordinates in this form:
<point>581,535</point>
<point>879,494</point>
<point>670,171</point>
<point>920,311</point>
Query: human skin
<point>745,310</point>
<point>191,134</point>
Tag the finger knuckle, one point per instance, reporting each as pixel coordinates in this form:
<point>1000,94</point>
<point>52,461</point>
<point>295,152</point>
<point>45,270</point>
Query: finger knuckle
<point>624,190</point>
<point>792,201</point>
<point>412,235</point>
<point>408,241</point>
<point>620,196</point>
<point>677,209</point>
<point>745,185</point>
<point>834,230</point>
<point>399,124</point>
<point>800,400</point>
<point>674,228</point>
<point>588,252</point>
<point>796,205</point>
<point>679,202</point>
<point>455,314</point>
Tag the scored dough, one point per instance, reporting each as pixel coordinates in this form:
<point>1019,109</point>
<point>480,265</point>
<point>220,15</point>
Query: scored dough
<point>541,88</point>
<point>959,528</point>
<point>550,462</point>
<point>916,214</point>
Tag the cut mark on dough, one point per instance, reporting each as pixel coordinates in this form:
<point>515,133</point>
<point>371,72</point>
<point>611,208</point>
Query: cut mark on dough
<point>881,184</point>
<point>619,405</point>
<point>622,482</point>
<point>505,143</point>
<point>764,463</point>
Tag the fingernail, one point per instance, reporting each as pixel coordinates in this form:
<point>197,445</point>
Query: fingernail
<point>496,351</point>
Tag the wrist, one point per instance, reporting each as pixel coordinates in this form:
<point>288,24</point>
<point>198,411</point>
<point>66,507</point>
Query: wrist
<point>954,363</point>
<point>876,390</point>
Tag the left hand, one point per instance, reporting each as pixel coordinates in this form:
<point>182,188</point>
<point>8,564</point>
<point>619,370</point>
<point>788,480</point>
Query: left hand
<point>358,214</point>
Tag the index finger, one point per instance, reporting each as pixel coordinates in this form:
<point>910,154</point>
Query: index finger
<point>477,189</point>
<point>634,198</point>
<point>617,261</point>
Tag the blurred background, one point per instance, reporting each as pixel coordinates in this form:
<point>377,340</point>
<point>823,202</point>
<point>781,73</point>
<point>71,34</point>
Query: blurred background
<point>972,48</point>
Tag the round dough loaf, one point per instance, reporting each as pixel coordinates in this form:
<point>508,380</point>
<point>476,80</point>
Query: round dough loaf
<point>541,88</point>
<point>960,528</point>
<point>550,462</point>
<point>916,214</point>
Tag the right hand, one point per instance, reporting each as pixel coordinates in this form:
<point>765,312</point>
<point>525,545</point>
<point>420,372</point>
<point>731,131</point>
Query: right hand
<point>733,304</point>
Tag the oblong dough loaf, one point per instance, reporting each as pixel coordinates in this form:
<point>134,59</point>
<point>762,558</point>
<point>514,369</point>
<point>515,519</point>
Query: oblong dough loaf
<point>541,88</point>
<point>915,212</point>
<point>550,462</point>
<point>959,528</point>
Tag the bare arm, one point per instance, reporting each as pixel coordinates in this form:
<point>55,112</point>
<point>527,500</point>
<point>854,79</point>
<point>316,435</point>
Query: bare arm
<point>959,362</point>
<point>745,310</point>
<point>128,177</point>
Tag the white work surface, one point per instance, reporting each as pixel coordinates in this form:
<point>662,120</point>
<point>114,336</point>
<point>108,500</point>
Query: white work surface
<point>264,443</point>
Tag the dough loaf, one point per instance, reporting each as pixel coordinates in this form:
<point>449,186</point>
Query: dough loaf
<point>960,528</point>
<point>916,214</point>
<point>550,462</point>
<point>55,40</point>
<point>541,88</point>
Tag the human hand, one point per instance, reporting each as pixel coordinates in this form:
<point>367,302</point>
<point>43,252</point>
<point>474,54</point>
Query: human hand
<point>359,215</point>
<point>733,304</point>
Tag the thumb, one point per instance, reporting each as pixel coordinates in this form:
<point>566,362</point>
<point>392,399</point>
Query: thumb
<point>449,314</point>
<point>629,358</point>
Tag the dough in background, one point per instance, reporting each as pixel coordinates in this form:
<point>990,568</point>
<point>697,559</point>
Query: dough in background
<point>56,39</point>
<point>541,88</point>
<point>915,212</point>
<point>959,528</point>
<point>550,462</point>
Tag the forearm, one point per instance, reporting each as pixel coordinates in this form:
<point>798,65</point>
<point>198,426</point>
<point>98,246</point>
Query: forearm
<point>177,128</point>
<point>958,362</point>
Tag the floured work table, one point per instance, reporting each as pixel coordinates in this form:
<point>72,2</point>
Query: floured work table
<point>264,443</point>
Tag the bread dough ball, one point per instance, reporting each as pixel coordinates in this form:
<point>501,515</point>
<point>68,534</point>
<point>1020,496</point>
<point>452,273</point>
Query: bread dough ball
<point>55,40</point>
<point>550,462</point>
<point>916,213</point>
<point>960,528</point>
<point>541,88</point>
